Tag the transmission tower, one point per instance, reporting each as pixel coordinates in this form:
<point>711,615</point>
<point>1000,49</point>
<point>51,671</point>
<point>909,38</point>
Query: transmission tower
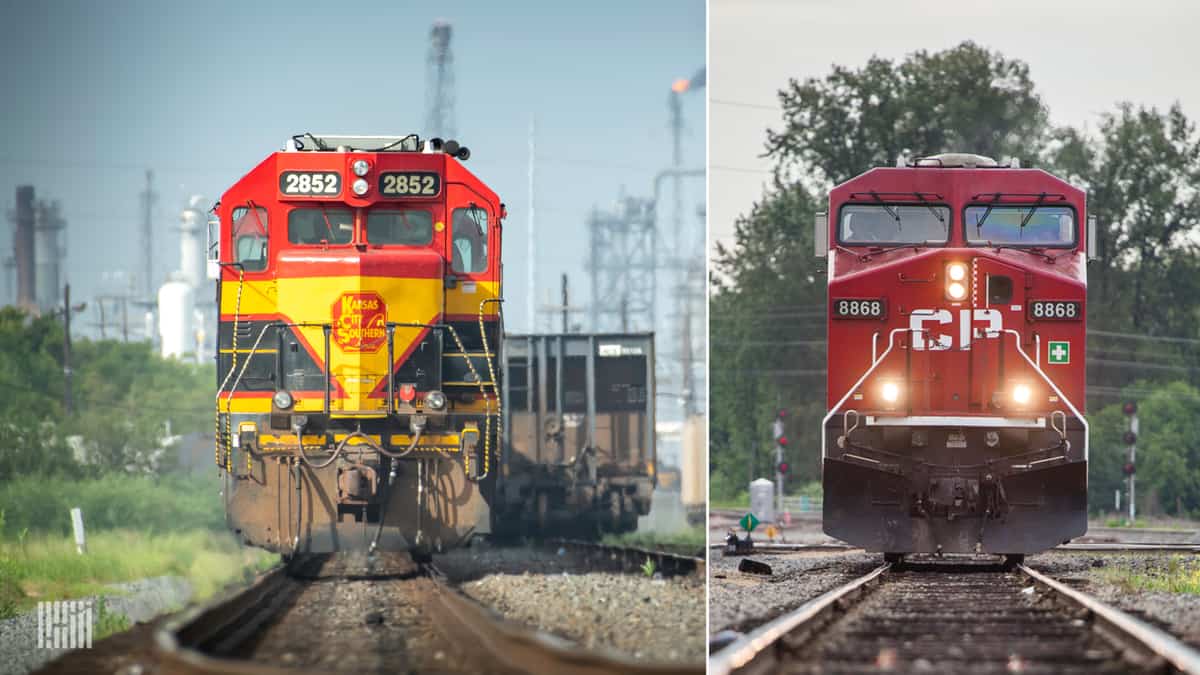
<point>622,262</point>
<point>439,83</point>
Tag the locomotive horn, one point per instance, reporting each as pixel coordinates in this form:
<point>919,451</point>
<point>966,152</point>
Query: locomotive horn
<point>451,147</point>
<point>433,145</point>
<point>463,153</point>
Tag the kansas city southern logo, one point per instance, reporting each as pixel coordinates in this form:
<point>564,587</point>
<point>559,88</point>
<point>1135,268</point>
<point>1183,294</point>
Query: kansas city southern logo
<point>360,322</point>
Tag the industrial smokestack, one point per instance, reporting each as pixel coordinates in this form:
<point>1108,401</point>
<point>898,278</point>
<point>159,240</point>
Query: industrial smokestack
<point>24,249</point>
<point>49,254</point>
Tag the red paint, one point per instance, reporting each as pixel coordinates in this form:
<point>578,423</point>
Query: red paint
<point>956,381</point>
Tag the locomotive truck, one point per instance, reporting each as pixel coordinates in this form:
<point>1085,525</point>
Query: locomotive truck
<point>957,296</point>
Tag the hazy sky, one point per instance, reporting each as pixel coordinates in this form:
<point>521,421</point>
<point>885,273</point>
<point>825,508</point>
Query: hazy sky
<point>97,92</point>
<point>1083,57</point>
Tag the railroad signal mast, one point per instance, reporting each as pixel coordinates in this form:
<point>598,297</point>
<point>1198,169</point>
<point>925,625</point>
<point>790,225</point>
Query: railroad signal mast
<point>779,432</point>
<point>1130,469</point>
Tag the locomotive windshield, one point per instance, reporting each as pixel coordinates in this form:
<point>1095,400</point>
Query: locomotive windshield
<point>893,224</point>
<point>408,227</point>
<point>1052,226</point>
<point>317,225</point>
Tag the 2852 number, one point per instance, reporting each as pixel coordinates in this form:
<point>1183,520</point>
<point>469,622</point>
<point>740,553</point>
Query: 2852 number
<point>409,184</point>
<point>310,183</point>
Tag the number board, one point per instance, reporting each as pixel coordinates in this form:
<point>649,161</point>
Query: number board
<point>858,308</point>
<point>409,184</point>
<point>310,183</point>
<point>1055,310</point>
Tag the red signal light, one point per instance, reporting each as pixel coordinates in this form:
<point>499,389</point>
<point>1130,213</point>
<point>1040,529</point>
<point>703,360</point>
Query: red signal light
<point>1130,408</point>
<point>1129,468</point>
<point>783,467</point>
<point>783,441</point>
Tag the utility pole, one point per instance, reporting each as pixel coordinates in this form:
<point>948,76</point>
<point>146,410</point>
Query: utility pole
<point>68,403</point>
<point>531,264</point>
<point>565,306</point>
<point>149,197</point>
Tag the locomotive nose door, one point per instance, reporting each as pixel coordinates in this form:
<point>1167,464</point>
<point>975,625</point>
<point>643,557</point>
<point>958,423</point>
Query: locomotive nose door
<point>998,302</point>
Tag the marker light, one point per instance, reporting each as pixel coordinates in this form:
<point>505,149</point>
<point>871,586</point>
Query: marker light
<point>956,271</point>
<point>956,291</point>
<point>435,400</point>
<point>282,400</point>
<point>360,167</point>
<point>1021,394</point>
<point>891,392</point>
<point>360,187</point>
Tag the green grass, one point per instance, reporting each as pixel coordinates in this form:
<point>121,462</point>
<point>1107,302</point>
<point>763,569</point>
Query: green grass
<point>46,567</point>
<point>1181,575</point>
<point>150,504</point>
<point>684,541</point>
<point>1123,522</point>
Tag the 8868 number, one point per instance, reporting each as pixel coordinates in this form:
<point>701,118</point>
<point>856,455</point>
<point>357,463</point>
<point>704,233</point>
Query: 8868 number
<point>859,308</point>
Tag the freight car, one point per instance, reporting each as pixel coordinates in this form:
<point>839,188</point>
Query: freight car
<point>957,297</point>
<point>358,280</point>
<point>579,439</point>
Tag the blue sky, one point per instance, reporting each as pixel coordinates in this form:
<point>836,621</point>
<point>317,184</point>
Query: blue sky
<point>97,92</point>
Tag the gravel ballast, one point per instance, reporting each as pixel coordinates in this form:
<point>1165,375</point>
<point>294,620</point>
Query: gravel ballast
<point>1100,574</point>
<point>741,601</point>
<point>647,619</point>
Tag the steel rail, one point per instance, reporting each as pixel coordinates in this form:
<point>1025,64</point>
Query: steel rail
<point>630,558</point>
<point>196,642</point>
<point>520,650</point>
<point>1082,547</point>
<point>757,644</point>
<point>754,651</point>
<point>1156,641</point>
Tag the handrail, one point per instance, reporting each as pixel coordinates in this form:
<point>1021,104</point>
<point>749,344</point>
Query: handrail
<point>874,365</point>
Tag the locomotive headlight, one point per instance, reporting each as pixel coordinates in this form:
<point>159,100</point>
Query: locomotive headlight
<point>360,167</point>
<point>956,271</point>
<point>956,291</point>
<point>890,392</point>
<point>1021,394</point>
<point>435,400</point>
<point>360,187</point>
<point>282,400</point>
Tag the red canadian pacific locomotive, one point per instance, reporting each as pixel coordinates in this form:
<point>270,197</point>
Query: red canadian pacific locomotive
<point>957,295</point>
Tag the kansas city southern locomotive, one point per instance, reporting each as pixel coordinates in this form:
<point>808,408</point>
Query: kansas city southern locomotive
<point>358,280</point>
<point>957,294</point>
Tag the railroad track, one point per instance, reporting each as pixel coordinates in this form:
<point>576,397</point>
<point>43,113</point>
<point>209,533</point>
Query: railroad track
<point>938,618</point>
<point>630,558</point>
<point>1100,547</point>
<point>362,615</point>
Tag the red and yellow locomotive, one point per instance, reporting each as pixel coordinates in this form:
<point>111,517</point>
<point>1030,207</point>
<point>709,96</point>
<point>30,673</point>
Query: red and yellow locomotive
<point>957,293</point>
<point>359,288</point>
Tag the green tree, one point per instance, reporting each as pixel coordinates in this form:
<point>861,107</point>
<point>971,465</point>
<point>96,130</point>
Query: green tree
<point>965,99</point>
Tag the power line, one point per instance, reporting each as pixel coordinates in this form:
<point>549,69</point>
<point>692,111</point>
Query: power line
<point>1149,338</point>
<point>737,169</point>
<point>744,104</point>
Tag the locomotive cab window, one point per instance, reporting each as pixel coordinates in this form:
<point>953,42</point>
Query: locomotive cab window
<point>468,245</point>
<point>250,238</point>
<point>320,225</point>
<point>407,227</point>
<point>883,224</point>
<point>1011,225</point>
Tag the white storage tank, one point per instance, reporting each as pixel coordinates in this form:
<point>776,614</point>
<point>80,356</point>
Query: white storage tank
<point>762,500</point>
<point>175,306</point>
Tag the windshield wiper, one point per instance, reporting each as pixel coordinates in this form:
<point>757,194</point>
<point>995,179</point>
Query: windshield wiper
<point>921,197</point>
<point>1032,210</point>
<point>891,211</point>
<point>1036,250</point>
